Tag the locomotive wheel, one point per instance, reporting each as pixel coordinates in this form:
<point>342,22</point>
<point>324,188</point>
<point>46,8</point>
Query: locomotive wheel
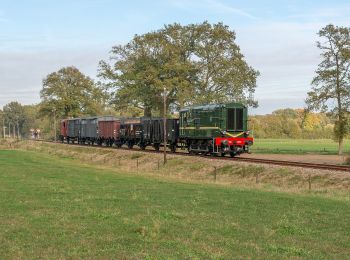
<point>232,154</point>
<point>130,145</point>
<point>142,146</point>
<point>222,154</point>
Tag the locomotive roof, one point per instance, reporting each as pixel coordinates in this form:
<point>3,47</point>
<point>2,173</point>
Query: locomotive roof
<point>211,106</point>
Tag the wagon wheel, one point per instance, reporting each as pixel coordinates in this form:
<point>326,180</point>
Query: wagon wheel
<point>156,147</point>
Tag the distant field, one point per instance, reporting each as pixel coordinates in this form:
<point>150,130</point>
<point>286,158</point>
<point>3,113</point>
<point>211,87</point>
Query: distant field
<point>298,146</point>
<point>58,208</point>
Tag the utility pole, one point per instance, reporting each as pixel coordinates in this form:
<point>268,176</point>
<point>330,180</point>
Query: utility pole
<point>18,130</point>
<point>3,125</point>
<point>54,123</point>
<point>164,119</point>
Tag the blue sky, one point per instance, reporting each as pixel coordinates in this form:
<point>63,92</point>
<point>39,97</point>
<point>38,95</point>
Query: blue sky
<point>276,37</point>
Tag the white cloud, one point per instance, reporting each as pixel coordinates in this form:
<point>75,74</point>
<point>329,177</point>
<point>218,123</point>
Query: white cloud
<point>21,73</point>
<point>210,6</point>
<point>218,6</point>
<point>321,14</point>
<point>286,56</point>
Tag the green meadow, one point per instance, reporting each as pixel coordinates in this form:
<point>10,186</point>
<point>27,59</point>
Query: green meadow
<point>55,207</point>
<point>298,146</point>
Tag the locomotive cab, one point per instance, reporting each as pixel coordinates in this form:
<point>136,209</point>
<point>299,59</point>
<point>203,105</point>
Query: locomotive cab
<point>235,139</point>
<point>215,129</point>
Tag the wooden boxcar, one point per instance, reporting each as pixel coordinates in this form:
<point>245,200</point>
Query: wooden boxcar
<point>109,131</point>
<point>63,130</point>
<point>73,129</point>
<point>88,130</point>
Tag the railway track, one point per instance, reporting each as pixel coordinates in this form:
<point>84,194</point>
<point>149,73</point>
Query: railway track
<point>319,166</point>
<point>332,167</point>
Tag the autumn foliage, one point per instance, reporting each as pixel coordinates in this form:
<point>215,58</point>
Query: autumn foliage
<point>292,123</point>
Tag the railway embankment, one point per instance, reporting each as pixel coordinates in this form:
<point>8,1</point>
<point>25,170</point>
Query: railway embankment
<point>199,169</point>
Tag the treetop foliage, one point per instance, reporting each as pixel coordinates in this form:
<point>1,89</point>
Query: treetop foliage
<point>13,113</point>
<point>70,93</point>
<point>196,63</point>
<point>332,80</point>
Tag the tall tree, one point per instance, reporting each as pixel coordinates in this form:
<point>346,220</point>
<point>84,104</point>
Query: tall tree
<point>331,85</point>
<point>197,63</point>
<point>70,93</point>
<point>14,116</point>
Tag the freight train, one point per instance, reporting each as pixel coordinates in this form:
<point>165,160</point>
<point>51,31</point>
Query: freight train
<point>215,129</point>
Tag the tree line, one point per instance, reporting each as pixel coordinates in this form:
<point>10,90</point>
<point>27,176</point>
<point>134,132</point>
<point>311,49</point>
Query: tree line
<point>292,123</point>
<point>195,64</point>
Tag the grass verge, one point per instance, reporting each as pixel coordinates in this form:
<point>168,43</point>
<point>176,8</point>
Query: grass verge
<point>60,208</point>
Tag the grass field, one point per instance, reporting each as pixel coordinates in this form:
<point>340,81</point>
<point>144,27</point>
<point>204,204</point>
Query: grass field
<point>59,208</point>
<point>298,146</point>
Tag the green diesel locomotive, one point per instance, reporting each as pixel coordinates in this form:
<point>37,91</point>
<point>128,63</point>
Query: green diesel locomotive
<point>215,129</point>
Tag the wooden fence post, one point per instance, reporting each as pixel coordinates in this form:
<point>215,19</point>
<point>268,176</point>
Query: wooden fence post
<point>215,173</point>
<point>309,180</point>
<point>257,178</point>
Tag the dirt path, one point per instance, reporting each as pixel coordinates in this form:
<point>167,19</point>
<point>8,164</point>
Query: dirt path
<point>312,158</point>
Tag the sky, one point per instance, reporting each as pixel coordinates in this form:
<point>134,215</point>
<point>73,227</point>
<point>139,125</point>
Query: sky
<point>278,38</point>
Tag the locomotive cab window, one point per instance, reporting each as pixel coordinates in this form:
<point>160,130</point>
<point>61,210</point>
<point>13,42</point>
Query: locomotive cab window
<point>235,119</point>
<point>230,119</point>
<point>239,119</point>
